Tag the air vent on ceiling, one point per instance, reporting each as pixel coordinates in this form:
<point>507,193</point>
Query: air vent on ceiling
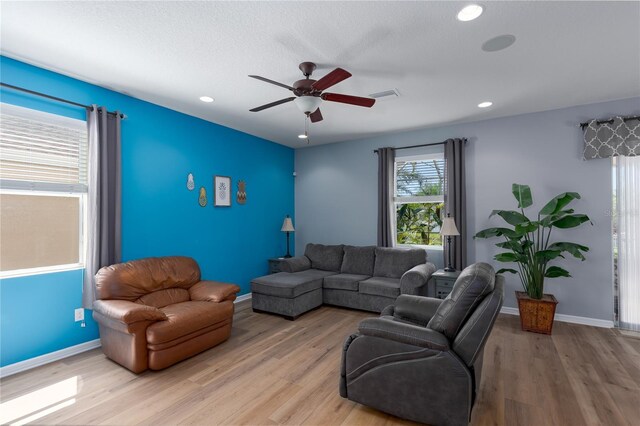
<point>387,94</point>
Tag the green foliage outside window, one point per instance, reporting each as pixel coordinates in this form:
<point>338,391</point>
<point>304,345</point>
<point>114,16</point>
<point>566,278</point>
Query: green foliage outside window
<point>419,222</point>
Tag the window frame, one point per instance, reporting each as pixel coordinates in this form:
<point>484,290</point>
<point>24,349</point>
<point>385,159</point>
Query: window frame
<point>423,199</point>
<point>50,189</point>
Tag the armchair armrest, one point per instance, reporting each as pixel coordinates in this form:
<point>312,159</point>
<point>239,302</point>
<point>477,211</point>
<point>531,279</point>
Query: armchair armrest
<point>295,264</point>
<point>127,312</point>
<point>416,309</point>
<point>213,291</point>
<point>415,279</point>
<point>404,333</point>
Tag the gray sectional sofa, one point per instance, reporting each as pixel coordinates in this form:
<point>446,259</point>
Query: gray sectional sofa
<point>366,278</point>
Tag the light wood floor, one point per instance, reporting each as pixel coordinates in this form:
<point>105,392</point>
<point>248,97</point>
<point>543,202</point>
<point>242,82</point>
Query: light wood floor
<point>273,371</point>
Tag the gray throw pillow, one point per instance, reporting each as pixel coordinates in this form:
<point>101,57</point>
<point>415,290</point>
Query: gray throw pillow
<point>325,258</point>
<point>393,262</point>
<point>473,284</point>
<point>358,260</point>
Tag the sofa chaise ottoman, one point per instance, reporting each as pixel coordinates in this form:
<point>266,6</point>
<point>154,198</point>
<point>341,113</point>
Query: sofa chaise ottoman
<point>367,278</point>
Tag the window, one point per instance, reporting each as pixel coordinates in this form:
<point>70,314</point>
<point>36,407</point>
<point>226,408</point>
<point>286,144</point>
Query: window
<point>43,186</point>
<point>419,199</point>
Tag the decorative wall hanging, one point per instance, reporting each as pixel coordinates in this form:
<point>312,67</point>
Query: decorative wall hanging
<point>610,138</point>
<point>202,199</point>
<point>190,183</point>
<point>242,192</point>
<point>222,191</point>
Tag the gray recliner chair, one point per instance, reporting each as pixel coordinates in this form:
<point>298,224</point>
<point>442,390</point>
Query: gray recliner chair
<point>421,360</point>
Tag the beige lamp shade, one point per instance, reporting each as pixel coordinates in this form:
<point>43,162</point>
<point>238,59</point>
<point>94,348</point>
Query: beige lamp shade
<point>449,227</point>
<point>287,225</point>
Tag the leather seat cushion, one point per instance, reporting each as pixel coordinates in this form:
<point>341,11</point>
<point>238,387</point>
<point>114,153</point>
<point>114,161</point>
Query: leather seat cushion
<point>344,281</point>
<point>289,285</point>
<point>187,317</point>
<point>162,298</point>
<point>379,286</point>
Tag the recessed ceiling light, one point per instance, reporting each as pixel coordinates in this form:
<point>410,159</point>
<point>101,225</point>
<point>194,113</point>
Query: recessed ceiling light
<point>469,13</point>
<point>206,99</point>
<point>485,104</point>
<point>303,136</point>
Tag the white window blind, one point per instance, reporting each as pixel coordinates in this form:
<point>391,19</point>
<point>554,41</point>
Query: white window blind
<point>41,151</point>
<point>420,179</point>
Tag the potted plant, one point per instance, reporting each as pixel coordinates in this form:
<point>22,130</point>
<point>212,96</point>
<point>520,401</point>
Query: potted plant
<point>528,244</point>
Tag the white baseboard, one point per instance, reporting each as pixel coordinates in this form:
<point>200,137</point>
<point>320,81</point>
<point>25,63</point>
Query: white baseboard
<point>28,364</point>
<point>594,322</point>
<point>243,298</point>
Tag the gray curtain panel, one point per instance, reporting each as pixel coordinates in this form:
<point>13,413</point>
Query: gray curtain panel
<point>104,197</point>
<point>386,219</point>
<point>604,140</point>
<point>455,200</point>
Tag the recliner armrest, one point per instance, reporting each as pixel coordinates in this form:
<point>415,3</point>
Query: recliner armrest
<point>295,264</point>
<point>413,281</point>
<point>127,312</point>
<point>404,333</point>
<point>416,309</point>
<point>213,291</point>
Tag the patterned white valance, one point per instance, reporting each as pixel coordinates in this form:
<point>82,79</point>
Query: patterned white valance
<point>618,136</point>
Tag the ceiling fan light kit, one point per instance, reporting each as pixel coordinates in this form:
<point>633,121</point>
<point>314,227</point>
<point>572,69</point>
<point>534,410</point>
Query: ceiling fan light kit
<point>309,93</point>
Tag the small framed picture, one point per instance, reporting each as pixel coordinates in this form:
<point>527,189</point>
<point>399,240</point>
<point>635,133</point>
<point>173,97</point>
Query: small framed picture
<point>222,191</point>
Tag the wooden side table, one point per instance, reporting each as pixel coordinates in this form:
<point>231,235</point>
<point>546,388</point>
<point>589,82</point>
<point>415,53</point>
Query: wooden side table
<point>443,282</point>
<point>274,264</point>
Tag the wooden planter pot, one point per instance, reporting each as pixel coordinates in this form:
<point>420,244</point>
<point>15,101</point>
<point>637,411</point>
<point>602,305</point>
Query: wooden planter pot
<point>536,315</point>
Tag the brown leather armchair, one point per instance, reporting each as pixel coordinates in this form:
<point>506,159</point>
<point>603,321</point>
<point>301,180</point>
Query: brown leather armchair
<point>155,312</point>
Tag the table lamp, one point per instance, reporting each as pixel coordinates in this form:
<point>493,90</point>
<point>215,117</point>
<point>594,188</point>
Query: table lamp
<point>449,230</point>
<point>287,226</point>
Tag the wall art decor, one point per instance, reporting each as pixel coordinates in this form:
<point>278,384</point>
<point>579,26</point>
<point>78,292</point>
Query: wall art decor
<point>222,191</point>
<point>202,199</point>
<point>242,192</point>
<point>190,183</point>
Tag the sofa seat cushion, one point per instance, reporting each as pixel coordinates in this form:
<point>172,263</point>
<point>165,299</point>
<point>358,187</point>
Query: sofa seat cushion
<point>344,281</point>
<point>358,260</point>
<point>289,285</point>
<point>187,318</point>
<point>380,286</point>
<point>326,258</point>
<point>394,262</point>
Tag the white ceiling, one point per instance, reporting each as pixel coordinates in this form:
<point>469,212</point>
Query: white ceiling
<point>171,53</point>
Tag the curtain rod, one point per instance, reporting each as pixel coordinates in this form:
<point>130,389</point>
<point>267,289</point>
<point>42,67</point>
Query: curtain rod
<point>53,98</point>
<point>586,123</point>
<point>421,145</point>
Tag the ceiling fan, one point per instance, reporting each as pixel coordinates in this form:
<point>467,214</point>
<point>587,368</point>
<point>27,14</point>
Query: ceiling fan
<point>309,93</point>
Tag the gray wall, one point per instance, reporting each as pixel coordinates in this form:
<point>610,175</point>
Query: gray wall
<point>336,191</point>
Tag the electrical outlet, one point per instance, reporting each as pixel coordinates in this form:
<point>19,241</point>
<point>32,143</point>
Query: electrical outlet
<point>79,314</point>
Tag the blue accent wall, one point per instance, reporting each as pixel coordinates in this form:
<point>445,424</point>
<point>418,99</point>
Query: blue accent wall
<point>159,215</point>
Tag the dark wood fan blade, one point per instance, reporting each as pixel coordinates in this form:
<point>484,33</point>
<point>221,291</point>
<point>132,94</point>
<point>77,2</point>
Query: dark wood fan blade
<point>315,116</point>
<point>334,77</point>
<point>272,104</point>
<point>348,99</point>
<point>257,77</point>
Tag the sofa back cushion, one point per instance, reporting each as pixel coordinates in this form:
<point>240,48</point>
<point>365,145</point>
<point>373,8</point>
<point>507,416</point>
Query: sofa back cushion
<point>165,297</point>
<point>137,278</point>
<point>325,258</point>
<point>358,260</point>
<point>393,262</point>
<point>473,284</point>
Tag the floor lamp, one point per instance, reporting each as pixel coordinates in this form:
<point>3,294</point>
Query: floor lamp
<point>449,230</point>
<point>287,227</point>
